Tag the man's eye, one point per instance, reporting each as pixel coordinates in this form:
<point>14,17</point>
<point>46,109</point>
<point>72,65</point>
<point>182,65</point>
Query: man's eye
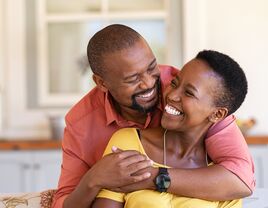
<point>132,81</point>
<point>152,69</point>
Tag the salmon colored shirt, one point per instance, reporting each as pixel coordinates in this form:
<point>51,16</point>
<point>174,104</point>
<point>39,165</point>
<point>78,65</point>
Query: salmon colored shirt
<point>92,121</point>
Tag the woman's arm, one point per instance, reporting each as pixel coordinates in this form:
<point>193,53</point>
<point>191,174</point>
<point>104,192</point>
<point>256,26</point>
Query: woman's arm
<point>106,203</point>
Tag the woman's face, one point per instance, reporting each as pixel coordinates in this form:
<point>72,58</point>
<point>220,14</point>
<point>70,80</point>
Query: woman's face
<point>189,100</point>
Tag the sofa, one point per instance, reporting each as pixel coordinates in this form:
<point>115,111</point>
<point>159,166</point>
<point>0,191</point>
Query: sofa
<point>27,200</point>
<point>44,199</point>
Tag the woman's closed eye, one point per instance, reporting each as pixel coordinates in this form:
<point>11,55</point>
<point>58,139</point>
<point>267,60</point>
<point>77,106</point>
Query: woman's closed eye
<point>173,83</point>
<point>189,93</point>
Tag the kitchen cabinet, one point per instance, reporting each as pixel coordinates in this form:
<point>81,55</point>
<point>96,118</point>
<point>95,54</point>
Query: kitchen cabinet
<point>260,154</point>
<point>28,170</point>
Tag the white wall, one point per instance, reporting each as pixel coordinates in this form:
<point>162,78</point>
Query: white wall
<point>240,29</point>
<point>1,61</point>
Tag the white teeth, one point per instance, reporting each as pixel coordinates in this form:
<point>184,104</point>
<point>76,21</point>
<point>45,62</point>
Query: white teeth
<point>147,95</point>
<point>171,110</point>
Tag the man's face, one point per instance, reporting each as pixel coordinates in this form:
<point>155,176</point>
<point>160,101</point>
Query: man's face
<point>133,77</point>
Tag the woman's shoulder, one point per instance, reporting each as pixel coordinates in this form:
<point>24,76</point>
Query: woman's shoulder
<point>125,139</point>
<point>125,131</point>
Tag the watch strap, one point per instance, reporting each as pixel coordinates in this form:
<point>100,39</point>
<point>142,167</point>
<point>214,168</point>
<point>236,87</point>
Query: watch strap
<point>162,171</point>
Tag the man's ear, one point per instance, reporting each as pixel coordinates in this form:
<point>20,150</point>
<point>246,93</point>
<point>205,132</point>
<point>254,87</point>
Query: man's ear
<point>218,115</point>
<point>99,82</point>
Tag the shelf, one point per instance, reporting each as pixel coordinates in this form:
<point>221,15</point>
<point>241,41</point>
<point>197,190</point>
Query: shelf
<point>47,144</point>
<point>40,144</point>
<point>257,140</point>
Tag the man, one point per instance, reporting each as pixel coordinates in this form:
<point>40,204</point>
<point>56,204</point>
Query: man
<point>128,94</point>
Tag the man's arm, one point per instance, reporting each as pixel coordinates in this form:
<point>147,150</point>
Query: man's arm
<point>210,183</point>
<point>111,171</point>
<point>213,183</point>
<point>79,183</point>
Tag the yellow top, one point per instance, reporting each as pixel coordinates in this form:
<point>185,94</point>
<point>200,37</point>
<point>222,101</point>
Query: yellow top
<point>128,139</point>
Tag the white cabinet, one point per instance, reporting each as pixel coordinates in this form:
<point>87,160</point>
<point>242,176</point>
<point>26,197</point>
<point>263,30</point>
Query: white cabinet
<point>29,171</point>
<point>260,155</point>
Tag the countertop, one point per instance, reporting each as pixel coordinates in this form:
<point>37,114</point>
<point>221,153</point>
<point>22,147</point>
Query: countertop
<point>48,144</point>
<point>30,144</point>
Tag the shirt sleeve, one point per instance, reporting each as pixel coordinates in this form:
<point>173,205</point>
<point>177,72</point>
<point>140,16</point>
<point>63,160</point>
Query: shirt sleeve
<point>73,167</point>
<point>226,146</point>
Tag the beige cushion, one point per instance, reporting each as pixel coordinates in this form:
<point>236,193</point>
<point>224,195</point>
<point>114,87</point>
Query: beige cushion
<point>27,200</point>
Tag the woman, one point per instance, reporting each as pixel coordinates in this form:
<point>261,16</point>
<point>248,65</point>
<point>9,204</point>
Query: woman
<point>208,88</point>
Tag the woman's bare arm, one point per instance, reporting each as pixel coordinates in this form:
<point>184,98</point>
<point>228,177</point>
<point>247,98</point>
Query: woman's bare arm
<point>104,203</point>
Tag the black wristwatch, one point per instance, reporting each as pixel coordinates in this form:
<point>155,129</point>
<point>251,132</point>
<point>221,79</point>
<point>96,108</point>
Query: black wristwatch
<point>162,180</point>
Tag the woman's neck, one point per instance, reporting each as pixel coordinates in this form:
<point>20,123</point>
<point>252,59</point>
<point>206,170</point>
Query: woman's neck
<point>182,150</point>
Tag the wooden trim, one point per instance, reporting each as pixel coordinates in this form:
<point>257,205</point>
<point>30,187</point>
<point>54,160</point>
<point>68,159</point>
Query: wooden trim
<point>257,140</point>
<point>45,144</point>
<point>30,144</point>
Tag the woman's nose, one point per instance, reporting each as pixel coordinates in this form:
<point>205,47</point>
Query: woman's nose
<point>174,96</point>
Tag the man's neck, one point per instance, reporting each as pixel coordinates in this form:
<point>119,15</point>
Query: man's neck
<point>131,114</point>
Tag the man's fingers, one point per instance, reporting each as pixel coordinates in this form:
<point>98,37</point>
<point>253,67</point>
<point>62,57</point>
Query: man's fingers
<point>116,149</point>
<point>133,159</point>
<point>141,177</point>
<point>122,154</point>
<point>135,167</point>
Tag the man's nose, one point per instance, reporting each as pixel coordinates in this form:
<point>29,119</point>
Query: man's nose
<point>147,82</point>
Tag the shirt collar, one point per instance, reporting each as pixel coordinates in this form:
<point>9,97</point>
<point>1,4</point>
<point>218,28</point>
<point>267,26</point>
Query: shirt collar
<point>111,114</point>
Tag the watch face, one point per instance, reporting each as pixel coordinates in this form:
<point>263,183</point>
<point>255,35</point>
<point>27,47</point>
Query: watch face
<point>162,181</point>
<point>167,182</point>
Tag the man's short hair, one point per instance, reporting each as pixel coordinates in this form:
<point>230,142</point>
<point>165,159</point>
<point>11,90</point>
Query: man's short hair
<point>112,38</point>
<point>234,86</point>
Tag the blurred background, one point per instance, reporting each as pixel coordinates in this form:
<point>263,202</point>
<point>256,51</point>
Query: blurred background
<point>44,69</point>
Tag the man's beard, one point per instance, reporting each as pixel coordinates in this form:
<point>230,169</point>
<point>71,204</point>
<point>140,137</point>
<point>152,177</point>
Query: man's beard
<point>140,108</point>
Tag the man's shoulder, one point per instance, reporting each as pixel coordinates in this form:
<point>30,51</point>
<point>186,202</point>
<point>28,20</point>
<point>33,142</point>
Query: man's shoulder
<point>90,103</point>
<point>169,68</point>
<point>167,73</point>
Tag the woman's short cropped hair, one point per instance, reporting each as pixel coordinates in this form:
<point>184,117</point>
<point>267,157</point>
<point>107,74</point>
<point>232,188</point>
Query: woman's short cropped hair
<point>234,82</point>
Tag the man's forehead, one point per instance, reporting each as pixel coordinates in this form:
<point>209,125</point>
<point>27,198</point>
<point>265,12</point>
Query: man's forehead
<point>140,68</point>
<point>128,60</point>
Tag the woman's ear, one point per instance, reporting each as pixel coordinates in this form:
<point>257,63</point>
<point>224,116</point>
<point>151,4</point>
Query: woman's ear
<point>218,115</point>
<point>99,82</point>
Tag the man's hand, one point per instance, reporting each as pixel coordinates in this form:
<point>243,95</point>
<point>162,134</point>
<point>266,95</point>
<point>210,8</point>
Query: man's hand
<point>117,169</point>
<point>145,184</point>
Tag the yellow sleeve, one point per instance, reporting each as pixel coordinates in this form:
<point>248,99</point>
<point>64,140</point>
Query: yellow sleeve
<point>125,139</point>
<point>116,196</point>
